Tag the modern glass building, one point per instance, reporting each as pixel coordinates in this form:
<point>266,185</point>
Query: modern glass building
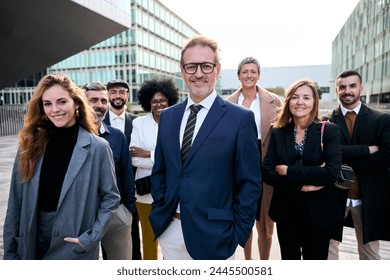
<point>151,47</point>
<point>363,44</point>
<point>36,34</point>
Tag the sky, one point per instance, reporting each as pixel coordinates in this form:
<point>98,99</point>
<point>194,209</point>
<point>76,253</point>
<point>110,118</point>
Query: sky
<point>276,32</point>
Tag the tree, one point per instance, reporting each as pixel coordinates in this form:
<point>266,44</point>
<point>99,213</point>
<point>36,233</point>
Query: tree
<point>277,90</point>
<point>319,90</point>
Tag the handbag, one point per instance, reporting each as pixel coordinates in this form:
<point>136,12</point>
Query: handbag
<point>346,177</point>
<point>143,185</point>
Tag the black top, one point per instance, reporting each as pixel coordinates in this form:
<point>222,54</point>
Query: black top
<point>55,165</point>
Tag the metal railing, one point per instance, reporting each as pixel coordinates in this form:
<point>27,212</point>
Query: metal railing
<point>11,119</point>
<point>12,116</point>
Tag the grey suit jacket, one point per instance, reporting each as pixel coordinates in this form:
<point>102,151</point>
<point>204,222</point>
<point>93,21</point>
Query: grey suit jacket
<point>89,196</point>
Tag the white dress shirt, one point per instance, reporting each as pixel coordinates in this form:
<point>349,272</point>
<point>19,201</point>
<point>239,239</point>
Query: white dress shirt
<point>255,108</point>
<point>144,135</point>
<point>206,105</point>
<point>118,121</point>
<point>352,202</point>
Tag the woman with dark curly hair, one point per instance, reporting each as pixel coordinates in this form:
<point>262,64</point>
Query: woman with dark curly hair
<point>154,96</point>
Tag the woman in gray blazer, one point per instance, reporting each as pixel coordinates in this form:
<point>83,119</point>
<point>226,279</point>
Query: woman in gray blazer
<point>63,190</point>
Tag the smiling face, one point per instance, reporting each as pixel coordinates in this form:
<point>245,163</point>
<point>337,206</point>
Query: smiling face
<point>349,89</point>
<point>158,103</point>
<point>301,103</point>
<point>59,106</point>
<point>200,85</point>
<point>118,96</point>
<point>249,75</point>
<point>98,99</point>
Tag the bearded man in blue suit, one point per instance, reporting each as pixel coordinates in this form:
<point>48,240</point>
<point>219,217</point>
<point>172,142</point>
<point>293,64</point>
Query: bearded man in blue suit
<point>206,187</point>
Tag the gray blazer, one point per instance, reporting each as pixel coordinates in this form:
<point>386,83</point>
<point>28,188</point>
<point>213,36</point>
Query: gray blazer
<point>89,196</point>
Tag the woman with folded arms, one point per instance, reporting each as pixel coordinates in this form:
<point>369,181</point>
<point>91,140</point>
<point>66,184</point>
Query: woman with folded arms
<point>302,163</point>
<point>154,96</point>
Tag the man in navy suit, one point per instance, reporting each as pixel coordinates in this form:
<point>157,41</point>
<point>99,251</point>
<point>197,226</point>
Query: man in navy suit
<point>117,242</point>
<point>204,200</point>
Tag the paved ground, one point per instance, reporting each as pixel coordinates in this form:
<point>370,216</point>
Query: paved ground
<point>8,146</point>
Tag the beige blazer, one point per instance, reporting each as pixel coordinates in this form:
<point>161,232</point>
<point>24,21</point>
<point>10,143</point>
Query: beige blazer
<point>269,106</point>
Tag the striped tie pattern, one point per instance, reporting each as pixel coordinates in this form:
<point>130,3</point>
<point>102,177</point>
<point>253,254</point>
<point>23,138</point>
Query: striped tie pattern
<point>189,131</point>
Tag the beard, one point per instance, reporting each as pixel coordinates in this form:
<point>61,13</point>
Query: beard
<point>116,106</point>
<point>349,99</point>
<point>101,115</point>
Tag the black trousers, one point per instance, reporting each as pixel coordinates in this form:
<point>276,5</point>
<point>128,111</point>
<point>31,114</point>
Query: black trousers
<point>300,239</point>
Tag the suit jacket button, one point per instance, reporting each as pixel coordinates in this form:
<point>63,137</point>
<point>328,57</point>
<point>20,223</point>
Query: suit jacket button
<point>56,234</point>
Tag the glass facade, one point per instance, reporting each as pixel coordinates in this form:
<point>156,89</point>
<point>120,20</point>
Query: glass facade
<point>363,44</point>
<point>150,48</point>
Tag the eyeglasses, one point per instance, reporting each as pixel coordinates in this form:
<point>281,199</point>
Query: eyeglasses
<point>155,102</point>
<point>205,67</point>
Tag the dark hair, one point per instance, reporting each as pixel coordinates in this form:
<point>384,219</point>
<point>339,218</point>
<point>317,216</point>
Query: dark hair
<point>248,60</point>
<point>348,73</point>
<point>159,84</point>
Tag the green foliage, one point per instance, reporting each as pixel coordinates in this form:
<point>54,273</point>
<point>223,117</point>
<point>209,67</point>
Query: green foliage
<point>277,90</point>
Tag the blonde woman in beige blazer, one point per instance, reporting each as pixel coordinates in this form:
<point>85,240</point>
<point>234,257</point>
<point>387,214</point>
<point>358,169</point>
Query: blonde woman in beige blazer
<point>265,106</point>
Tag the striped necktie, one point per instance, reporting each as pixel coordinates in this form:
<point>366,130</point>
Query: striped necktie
<point>189,131</point>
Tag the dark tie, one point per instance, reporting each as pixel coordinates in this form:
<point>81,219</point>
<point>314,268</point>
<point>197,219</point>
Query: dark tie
<point>189,131</point>
<point>350,118</point>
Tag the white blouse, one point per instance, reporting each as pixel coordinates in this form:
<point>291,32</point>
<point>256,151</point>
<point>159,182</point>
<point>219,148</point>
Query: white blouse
<point>255,108</point>
<point>144,135</point>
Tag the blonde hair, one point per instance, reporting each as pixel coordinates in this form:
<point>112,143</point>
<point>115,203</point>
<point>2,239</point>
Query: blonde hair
<point>285,117</point>
<point>34,136</point>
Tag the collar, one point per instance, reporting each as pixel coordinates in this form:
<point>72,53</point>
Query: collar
<point>103,128</point>
<point>206,103</point>
<point>356,109</point>
<point>114,116</point>
<point>241,97</point>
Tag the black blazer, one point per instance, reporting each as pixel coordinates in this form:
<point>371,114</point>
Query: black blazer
<point>128,124</point>
<point>288,200</point>
<point>372,171</point>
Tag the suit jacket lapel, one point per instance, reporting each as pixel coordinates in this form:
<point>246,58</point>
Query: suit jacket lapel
<point>176,123</point>
<point>34,184</point>
<point>340,121</point>
<point>266,106</point>
<point>128,126</point>
<point>312,140</point>
<point>76,162</point>
<point>289,142</point>
<point>213,116</point>
<point>107,119</point>
<point>360,124</point>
